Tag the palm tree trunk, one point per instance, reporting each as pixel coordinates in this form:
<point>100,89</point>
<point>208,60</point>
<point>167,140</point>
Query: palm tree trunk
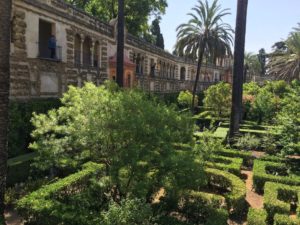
<point>120,45</point>
<point>238,68</point>
<point>5,9</point>
<point>200,59</point>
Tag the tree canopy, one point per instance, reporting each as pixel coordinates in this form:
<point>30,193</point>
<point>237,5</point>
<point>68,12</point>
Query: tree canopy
<point>137,12</point>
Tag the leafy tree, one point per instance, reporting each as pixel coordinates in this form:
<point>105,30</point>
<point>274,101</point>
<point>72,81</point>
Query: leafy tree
<point>155,30</point>
<point>286,65</point>
<point>264,106</point>
<point>129,211</point>
<point>203,33</point>
<point>251,88</point>
<point>288,122</point>
<point>5,9</point>
<point>218,99</point>
<point>132,135</point>
<point>185,99</point>
<point>136,11</point>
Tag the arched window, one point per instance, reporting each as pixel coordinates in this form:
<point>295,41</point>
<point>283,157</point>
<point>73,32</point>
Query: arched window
<point>77,53</point>
<point>87,45</point>
<point>182,73</point>
<point>96,54</point>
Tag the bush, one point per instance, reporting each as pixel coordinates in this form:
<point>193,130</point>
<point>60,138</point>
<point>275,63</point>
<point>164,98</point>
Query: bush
<point>20,114</point>
<point>185,99</point>
<point>235,199</point>
<point>260,174</point>
<point>129,211</point>
<point>257,217</point>
<point>279,197</point>
<point>218,98</point>
<point>285,220</point>
<point>247,142</point>
<point>62,202</point>
<point>201,207</point>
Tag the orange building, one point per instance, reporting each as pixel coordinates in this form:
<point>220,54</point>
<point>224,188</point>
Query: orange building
<point>129,78</point>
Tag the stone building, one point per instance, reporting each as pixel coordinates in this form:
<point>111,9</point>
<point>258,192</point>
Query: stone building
<point>85,51</point>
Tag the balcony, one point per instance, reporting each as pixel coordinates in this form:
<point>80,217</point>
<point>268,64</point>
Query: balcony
<point>48,54</point>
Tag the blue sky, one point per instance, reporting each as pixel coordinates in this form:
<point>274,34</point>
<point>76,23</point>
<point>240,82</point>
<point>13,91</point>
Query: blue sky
<point>269,21</point>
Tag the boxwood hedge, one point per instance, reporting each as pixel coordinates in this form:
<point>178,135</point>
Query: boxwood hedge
<point>260,174</point>
<point>47,205</point>
<point>235,199</point>
<point>285,220</point>
<point>232,165</point>
<point>278,198</point>
<point>257,217</point>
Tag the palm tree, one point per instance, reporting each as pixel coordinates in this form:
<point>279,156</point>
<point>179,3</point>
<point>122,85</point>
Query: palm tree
<point>120,45</point>
<point>204,33</point>
<point>287,64</point>
<point>5,9</point>
<point>238,67</point>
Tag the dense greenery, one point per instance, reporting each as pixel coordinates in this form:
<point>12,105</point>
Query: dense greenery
<point>20,113</point>
<point>205,34</point>
<point>218,99</point>
<point>185,99</point>
<point>136,11</point>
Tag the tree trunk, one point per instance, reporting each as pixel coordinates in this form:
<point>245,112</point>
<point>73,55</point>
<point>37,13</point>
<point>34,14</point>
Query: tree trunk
<point>120,46</point>
<point>238,68</point>
<point>200,59</point>
<point>5,9</point>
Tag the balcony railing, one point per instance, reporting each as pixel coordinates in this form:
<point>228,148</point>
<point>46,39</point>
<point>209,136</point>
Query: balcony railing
<point>50,54</point>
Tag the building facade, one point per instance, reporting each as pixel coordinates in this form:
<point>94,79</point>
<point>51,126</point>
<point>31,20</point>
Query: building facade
<point>85,51</point>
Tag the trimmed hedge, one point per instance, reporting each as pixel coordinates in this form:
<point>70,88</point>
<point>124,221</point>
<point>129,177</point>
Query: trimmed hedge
<point>204,206</point>
<point>278,198</point>
<point>285,220</point>
<point>235,199</point>
<point>257,217</point>
<point>260,175</point>
<point>232,165</point>
<point>47,201</point>
<point>19,169</point>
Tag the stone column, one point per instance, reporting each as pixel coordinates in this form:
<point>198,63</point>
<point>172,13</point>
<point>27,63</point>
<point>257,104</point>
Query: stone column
<point>92,52</point>
<point>81,50</point>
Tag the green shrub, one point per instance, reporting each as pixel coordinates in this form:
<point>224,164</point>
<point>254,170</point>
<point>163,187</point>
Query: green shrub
<point>247,142</point>
<point>232,165</point>
<point>235,199</point>
<point>20,113</point>
<point>260,174</point>
<point>62,201</point>
<point>285,220</point>
<point>245,155</point>
<point>185,99</point>
<point>129,211</point>
<point>202,207</point>
<point>19,169</point>
<point>257,217</point>
<point>278,198</point>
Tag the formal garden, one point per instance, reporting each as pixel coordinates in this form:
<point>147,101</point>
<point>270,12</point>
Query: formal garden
<point>104,155</point>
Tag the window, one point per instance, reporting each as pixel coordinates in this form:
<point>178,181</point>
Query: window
<point>47,44</point>
<point>77,53</point>
<point>182,73</point>
<point>96,54</point>
<point>87,45</point>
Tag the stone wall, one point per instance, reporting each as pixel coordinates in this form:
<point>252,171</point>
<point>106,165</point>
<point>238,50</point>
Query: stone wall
<point>86,44</point>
